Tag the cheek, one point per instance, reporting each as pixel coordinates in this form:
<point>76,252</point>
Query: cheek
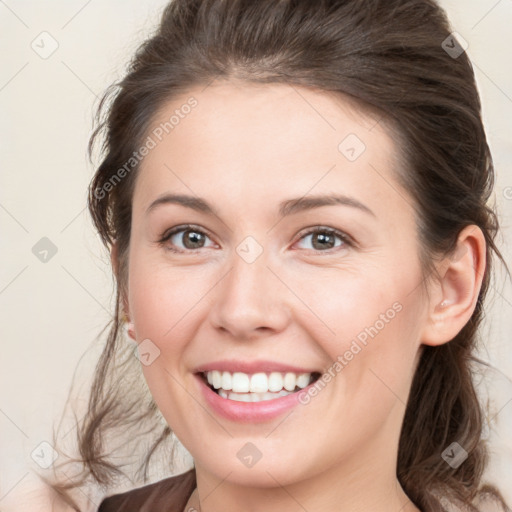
<point>348,305</point>
<point>373,329</point>
<point>161,298</point>
<point>378,360</point>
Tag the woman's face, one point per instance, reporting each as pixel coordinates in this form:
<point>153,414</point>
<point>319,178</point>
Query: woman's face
<point>273,277</point>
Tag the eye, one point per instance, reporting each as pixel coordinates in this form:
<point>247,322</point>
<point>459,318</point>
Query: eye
<point>191,237</point>
<point>324,239</point>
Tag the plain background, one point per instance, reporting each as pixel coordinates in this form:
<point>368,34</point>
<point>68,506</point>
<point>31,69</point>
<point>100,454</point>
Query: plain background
<point>51,311</point>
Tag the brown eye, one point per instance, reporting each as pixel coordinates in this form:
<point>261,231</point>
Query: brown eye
<point>184,238</point>
<point>323,239</point>
<point>193,239</point>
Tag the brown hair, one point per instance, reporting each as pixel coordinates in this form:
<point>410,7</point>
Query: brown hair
<point>389,56</point>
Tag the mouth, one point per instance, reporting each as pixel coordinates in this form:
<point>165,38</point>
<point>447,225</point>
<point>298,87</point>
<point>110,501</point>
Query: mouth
<point>256,387</point>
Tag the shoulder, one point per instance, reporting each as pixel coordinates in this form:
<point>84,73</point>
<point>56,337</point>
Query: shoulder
<point>172,492</point>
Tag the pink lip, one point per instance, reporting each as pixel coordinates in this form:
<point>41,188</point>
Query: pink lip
<point>249,412</point>
<point>251,367</point>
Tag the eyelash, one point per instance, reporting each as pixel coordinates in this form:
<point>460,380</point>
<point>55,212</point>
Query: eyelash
<point>346,239</point>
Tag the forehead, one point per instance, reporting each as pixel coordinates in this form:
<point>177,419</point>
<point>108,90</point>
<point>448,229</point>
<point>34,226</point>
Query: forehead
<point>264,142</point>
<point>226,105</point>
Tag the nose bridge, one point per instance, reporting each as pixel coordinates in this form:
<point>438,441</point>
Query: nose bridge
<point>251,298</point>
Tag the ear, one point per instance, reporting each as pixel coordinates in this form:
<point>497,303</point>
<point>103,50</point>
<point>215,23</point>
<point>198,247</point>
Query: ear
<point>454,295</point>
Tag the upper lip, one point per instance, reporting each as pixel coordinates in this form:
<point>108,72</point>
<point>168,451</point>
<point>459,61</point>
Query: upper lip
<point>251,367</point>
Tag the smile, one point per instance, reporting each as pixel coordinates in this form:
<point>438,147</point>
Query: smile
<point>257,387</point>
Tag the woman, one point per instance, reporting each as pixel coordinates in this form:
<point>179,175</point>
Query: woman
<point>294,197</point>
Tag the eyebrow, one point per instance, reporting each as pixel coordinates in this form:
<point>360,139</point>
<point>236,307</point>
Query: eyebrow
<point>288,207</point>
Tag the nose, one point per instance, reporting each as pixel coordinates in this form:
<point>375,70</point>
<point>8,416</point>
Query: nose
<point>250,300</point>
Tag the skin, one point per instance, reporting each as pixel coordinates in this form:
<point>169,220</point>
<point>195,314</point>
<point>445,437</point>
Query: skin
<point>244,149</point>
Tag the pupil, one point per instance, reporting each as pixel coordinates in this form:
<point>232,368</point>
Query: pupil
<point>322,237</point>
<point>194,238</point>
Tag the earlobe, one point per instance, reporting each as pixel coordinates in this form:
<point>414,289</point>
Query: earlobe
<point>130,329</point>
<point>457,289</point>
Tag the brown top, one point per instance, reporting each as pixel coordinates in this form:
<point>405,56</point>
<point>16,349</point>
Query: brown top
<point>169,495</point>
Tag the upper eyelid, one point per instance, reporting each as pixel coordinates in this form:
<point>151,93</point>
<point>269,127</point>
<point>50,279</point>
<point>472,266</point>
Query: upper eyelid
<point>178,229</point>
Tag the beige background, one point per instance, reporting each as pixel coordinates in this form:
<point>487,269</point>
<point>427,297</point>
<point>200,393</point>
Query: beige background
<point>52,311</point>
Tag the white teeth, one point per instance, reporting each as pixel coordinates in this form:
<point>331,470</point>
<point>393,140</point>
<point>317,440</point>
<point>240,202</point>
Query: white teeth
<point>303,380</point>
<point>260,382</point>
<point>252,397</point>
<point>240,382</point>
<point>289,381</point>
<point>216,379</point>
<point>227,381</point>
<point>275,381</point>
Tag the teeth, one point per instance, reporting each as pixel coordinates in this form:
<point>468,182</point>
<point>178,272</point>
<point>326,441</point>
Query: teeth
<point>252,397</point>
<point>227,381</point>
<point>240,382</point>
<point>216,380</point>
<point>274,382</point>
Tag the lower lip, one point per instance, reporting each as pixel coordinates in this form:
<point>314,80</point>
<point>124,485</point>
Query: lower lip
<point>250,412</point>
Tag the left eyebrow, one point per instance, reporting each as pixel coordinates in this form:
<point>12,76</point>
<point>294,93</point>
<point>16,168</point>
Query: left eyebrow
<point>288,207</point>
<point>292,206</point>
